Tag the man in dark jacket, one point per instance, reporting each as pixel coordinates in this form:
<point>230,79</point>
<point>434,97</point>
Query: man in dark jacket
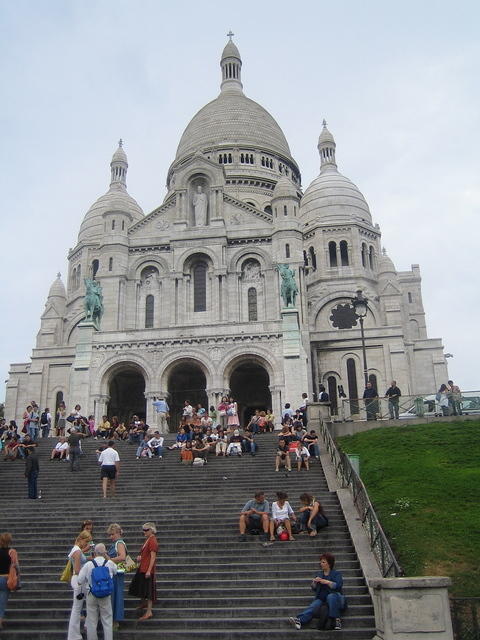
<point>32,469</point>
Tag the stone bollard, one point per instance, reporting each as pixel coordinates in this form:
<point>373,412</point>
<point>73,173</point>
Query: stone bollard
<point>412,608</point>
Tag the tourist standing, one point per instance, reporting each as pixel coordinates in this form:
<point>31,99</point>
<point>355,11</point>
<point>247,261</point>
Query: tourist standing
<point>8,556</point>
<point>74,451</point>
<point>162,409</point>
<point>32,469</point>
<point>110,468</point>
<point>143,585</point>
<point>118,554</point>
<point>98,605</point>
<point>45,422</point>
<point>370,395</point>
<point>454,398</point>
<point>393,394</point>
<point>77,557</point>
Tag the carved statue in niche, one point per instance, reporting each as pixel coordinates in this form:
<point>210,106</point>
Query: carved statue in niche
<point>200,205</point>
<point>251,270</point>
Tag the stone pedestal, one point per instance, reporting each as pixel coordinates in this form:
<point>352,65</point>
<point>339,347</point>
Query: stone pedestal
<point>80,376</point>
<point>294,359</point>
<point>412,608</point>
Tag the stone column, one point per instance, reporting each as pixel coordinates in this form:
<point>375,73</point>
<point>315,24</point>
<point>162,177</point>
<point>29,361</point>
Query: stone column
<point>151,415</point>
<point>277,404</point>
<point>100,406</point>
<point>412,608</point>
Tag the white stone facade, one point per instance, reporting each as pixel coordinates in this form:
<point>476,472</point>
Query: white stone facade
<point>194,310</point>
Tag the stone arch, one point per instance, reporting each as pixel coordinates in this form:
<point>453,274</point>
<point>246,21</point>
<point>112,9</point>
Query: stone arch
<point>114,363</point>
<point>185,378</point>
<point>262,357</point>
<point>243,254</point>
<point>342,297</point>
<point>186,259</point>
<point>124,382</point>
<point>195,356</point>
<point>249,378</point>
<point>139,264</point>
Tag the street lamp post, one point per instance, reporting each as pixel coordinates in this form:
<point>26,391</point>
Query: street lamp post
<point>360,306</point>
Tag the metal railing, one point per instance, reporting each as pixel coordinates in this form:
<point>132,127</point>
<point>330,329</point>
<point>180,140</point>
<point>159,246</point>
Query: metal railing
<point>466,618</point>
<point>411,406</point>
<point>348,477</point>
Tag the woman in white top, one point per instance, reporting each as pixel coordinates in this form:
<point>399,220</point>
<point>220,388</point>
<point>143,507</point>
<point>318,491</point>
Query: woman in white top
<point>282,513</point>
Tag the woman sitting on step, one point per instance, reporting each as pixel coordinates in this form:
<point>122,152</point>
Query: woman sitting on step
<point>312,516</point>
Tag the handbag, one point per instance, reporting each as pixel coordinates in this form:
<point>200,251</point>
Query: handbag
<point>12,580</point>
<point>231,411</point>
<point>66,575</point>
<point>127,565</point>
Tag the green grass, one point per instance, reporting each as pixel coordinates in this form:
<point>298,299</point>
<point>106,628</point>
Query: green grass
<point>424,483</point>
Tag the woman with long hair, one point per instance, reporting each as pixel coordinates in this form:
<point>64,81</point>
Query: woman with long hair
<point>312,517</point>
<point>8,556</point>
<point>118,553</point>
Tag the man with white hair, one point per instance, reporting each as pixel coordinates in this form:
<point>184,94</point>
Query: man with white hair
<point>98,605</point>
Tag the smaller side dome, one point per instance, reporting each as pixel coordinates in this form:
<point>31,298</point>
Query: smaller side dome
<point>284,189</point>
<point>385,264</point>
<point>231,50</point>
<point>57,290</point>
<point>117,198</point>
<point>332,198</point>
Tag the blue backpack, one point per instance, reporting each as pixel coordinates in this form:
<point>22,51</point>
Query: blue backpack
<point>101,583</point>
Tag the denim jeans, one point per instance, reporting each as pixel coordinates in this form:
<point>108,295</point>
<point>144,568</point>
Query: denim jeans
<point>32,484</point>
<point>3,596</point>
<point>319,521</point>
<point>335,603</point>
<point>33,432</point>
<point>314,450</point>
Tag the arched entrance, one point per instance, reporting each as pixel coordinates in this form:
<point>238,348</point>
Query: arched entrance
<point>249,386</point>
<point>186,382</point>
<point>126,390</point>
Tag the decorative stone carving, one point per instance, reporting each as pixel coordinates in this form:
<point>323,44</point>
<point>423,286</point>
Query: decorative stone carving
<point>251,270</point>
<point>200,205</point>
<point>93,301</point>
<point>288,289</point>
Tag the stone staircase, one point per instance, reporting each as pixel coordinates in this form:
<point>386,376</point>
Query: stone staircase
<point>209,584</point>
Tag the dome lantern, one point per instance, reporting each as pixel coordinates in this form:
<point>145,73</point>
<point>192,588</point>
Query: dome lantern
<point>326,149</point>
<point>119,166</point>
<point>231,65</point>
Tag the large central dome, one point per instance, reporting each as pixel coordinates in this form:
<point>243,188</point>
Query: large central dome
<point>232,119</point>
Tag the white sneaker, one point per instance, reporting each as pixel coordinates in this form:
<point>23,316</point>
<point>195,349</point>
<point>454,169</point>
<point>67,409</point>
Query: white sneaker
<point>296,623</point>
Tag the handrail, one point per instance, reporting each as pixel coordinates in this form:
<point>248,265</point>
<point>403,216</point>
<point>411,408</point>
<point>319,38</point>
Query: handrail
<point>420,405</point>
<point>348,477</point>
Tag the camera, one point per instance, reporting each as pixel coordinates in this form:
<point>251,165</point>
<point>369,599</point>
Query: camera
<point>80,596</point>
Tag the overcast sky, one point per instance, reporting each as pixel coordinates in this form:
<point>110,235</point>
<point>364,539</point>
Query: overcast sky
<point>398,84</point>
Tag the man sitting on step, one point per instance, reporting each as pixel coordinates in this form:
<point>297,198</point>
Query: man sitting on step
<point>255,517</point>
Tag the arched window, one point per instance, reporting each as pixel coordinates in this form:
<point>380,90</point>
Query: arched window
<point>287,250</point>
<point>110,264</point>
<point>200,287</point>
<point>371,257</point>
<point>123,225</point>
<point>332,392</point>
<point>364,255</point>
<point>95,265</point>
<point>352,385</point>
<point>268,209</point>
<point>410,297</point>
<point>149,311</point>
<point>285,211</point>
<point>313,258</point>
<point>73,278</point>
<point>252,305</point>
<point>79,273</point>
<point>305,258</point>
<point>344,253</point>
<point>113,225</point>
<point>332,252</point>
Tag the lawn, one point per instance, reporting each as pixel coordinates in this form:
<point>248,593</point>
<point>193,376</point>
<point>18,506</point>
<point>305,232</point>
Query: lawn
<point>424,482</point>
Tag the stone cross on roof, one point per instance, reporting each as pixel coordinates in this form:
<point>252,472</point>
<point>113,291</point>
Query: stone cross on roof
<point>230,34</point>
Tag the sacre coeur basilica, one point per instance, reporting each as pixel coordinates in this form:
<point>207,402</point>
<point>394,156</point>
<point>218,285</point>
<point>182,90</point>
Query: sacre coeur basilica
<point>191,301</point>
